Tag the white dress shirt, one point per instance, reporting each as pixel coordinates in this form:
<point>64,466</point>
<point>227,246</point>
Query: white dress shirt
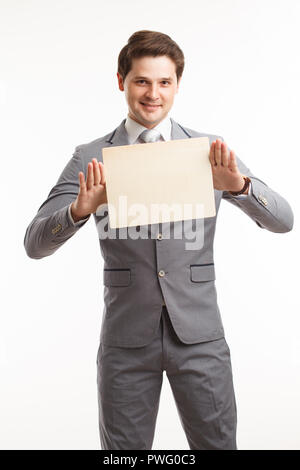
<point>134,129</point>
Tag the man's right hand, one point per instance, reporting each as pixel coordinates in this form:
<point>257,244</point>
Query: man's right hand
<point>92,192</point>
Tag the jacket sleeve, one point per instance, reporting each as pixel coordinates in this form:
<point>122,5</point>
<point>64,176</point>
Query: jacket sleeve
<point>265,206</point>
<point>52,226</point>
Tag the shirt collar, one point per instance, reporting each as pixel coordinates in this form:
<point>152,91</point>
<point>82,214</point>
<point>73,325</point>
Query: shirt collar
<point>134,129</point>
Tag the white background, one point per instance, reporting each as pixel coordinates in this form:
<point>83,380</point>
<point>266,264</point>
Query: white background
<point>58,90</point>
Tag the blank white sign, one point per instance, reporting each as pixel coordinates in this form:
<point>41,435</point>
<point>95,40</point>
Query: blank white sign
<point>158,182</point>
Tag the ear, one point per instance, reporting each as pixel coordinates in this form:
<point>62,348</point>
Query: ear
<point>178,82</point>
<point>120,82</point>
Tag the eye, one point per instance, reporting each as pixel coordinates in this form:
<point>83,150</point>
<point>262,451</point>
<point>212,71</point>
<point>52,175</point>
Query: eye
<point>165,82</point>
<point>139,81</point>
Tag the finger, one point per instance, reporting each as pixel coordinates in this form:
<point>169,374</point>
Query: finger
<point>232,162</point>
<point>97,174</point>
<point>101,166</point>
<point>218,152</point>
<point>82,185</point>
<point>90,176</point>
<point>212,154</point>
<point>224,155</point>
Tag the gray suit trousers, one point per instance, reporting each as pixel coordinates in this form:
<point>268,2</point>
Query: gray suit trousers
<point>129,385</point>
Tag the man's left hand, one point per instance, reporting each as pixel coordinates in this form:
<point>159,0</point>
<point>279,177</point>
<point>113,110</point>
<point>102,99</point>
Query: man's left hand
<point>226,175</point>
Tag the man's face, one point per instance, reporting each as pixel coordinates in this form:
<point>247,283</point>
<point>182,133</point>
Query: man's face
<point>150,89</point>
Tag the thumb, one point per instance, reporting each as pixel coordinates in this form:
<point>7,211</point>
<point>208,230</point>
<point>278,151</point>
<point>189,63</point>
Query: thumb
<point>101,166</point>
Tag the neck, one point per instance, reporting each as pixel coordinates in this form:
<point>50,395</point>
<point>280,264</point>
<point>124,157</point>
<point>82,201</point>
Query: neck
<point>148,125</point>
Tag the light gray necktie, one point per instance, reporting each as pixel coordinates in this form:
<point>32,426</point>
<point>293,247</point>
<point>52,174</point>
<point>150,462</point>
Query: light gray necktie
<point>150,135</point>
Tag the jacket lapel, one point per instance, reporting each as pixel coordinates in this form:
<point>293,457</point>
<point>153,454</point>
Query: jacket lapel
<point>118,136</point>
<point>178,132</point>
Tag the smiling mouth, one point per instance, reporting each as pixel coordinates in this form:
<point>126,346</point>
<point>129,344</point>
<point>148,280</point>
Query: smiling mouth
<point>148,105</point>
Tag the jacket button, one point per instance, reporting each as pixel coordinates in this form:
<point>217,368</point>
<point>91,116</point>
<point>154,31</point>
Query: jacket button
<point>56,229</point>
<point>161,273</point>
<point>159,236</point>
<point>263,200</point>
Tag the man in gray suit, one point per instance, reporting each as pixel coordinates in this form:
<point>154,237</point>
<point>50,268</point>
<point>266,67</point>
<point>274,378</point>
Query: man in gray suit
<point>160,302</point>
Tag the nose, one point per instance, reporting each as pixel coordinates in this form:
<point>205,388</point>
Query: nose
<point>152,92</point>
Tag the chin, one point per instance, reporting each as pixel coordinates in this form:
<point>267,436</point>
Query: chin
<point>148,118</point>
<point>153,117</point>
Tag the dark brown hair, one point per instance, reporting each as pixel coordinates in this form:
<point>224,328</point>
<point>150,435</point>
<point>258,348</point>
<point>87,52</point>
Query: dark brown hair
<point>149,43</point>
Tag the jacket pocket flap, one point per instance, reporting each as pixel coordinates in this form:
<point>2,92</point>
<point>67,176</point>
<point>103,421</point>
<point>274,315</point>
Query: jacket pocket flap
<point>202,272</point>
<point>116,277</point>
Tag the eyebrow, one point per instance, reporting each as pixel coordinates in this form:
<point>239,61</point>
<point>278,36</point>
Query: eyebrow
<point>146,78</point>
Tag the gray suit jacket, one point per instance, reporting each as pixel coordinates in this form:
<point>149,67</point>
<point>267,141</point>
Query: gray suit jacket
<point>137,272</point>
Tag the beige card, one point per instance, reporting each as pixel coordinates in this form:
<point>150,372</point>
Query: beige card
<point>158,182</point>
